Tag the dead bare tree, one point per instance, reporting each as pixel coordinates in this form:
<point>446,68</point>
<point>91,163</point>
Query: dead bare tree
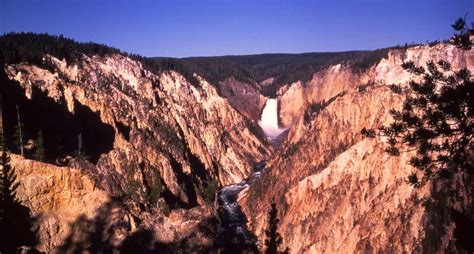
<point>20,131</point>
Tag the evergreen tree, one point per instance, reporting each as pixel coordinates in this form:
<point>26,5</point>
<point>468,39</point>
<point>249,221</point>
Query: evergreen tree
<point>40,151</point>
<point>274,240</point>
<point>9,183</point>
<point>209,190</point>
<point>437,123</point>
<point>461,38</point>
<point>437,119</point>
<point>153,191</point>
<point>20,130</point>
<point>15,220</point>
<point>18,138</point>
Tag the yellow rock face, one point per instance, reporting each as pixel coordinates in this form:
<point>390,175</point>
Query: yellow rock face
<point>56,196</point>
<point>177,130</point>
<point>171,122</point>
<point>336,191</point>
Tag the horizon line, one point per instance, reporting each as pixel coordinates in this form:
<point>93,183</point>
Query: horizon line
<point>409,44</point>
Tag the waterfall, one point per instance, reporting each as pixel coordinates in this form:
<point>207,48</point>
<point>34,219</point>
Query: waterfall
<point>269,119</point>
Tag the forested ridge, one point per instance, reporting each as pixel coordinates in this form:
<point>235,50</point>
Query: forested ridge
<point>251,69</point>
<point>31,47</point>
<point>283,68</point>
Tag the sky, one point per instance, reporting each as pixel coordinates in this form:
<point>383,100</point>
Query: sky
<point>179,28</point>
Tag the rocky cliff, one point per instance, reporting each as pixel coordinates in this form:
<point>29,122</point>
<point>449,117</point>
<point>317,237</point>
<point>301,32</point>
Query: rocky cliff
<point>56,197</point>
<point>336,191</point>
<point>71,214</point>
<point>243,97</point>
<point>146,147</point>
<point>153,141</point>
<point>152,116</point>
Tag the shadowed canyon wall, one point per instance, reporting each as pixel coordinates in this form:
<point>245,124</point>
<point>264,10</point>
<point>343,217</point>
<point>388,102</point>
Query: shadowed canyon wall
<point>154,141</point>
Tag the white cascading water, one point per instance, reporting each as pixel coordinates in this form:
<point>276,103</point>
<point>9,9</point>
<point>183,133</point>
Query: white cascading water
<point>269,119</point>
<point>232,216</point>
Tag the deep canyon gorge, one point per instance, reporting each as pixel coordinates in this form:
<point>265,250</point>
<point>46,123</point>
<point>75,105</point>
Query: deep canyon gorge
<point>178,162</point>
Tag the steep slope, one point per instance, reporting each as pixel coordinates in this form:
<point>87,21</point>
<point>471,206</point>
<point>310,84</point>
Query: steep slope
<point>243,97</point>
<point>332,81</point>
<point>71,213</point>
<point>268,72</point>
<point>336,191</point>
<point>150,140</point>
<point>139,144</point>
<point>56,197</point>
<point>192,124</point>
<point>248,79</point>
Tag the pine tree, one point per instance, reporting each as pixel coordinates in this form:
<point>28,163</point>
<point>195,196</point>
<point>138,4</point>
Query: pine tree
<point>209,190</point>
<point>274,239</point>
<point>9,183</point>
<point>437,118</point>
<point>15,220</point>
<point>463,32</point>
<point>18,138</point>
<point>40,151</point>
<point>436,122</point>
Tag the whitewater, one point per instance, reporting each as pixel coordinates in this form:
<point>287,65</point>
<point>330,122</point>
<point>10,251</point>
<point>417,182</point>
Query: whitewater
<point>269,119</point>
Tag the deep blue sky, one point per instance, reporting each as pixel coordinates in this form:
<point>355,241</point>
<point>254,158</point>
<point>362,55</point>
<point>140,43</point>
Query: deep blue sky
<point>220,27</point>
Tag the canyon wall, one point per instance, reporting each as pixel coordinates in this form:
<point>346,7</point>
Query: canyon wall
<point>56,197</point>
<point>243,97</point>
<point>166,141</point>
<point>336,191</point>
<point>71,214</point>
<point>164,116</point>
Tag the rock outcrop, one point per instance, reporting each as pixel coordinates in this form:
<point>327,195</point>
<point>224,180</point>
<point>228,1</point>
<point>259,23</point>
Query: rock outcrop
<point>330,82</point>
<point>56,196</point>
<point>71,212</point>
<point>336,191</point>
<point>161,122</point>
<point>164,140</point>
<point>243,97</point>
<point>292,101</point>
<point>168,141</point>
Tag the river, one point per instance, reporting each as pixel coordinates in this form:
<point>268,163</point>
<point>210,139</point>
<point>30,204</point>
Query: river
<point>233,219</point>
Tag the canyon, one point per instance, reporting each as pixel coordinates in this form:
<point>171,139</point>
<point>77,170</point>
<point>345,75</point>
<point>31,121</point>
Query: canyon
<point>156,143</point>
